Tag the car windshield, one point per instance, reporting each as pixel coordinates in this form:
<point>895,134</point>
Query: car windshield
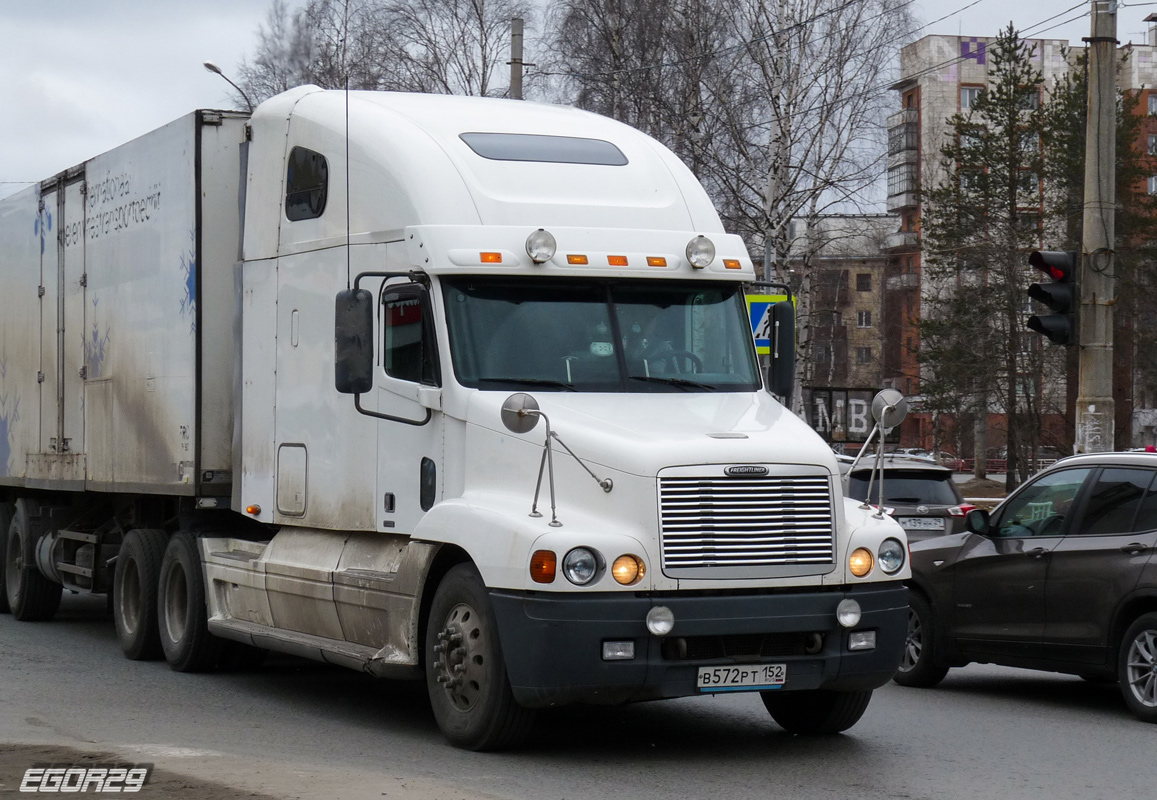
<point>906,487</point>
<point>599,336</point>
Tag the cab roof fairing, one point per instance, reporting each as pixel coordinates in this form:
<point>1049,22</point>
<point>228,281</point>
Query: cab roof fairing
<point>409,166</point>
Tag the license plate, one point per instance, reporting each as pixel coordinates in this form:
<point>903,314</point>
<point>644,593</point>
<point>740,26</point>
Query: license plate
<point>743,678</point>
<point>921,523</point>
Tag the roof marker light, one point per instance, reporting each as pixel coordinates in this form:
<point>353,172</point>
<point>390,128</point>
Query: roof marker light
<point>617,261</point>
<point>576,259</point>
<point>490,258</point>
<point>656,261</point>
<point>732,263</point>
<point>700,252</point>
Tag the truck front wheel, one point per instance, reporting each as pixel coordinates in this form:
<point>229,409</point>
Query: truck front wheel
<point>818,711</point>
<point>30,595</point>
<point>138,572</point>
<point>182,616</point>
<point>465,674</point>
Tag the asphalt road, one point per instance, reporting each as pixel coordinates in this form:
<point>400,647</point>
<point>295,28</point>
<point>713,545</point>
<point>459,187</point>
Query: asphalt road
<point>295,729</point>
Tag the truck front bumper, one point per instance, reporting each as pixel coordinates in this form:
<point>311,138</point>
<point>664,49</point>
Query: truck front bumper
<point>553,644</point>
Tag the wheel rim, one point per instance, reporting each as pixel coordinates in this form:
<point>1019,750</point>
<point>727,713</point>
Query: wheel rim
<point>1141,668</point>
<point>914,644</point>
<point>176,603</point>
<point>128,598</point>
<point>461,666</point>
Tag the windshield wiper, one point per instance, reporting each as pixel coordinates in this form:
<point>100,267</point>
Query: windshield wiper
<point>531,382</point>
<point>680,382</point>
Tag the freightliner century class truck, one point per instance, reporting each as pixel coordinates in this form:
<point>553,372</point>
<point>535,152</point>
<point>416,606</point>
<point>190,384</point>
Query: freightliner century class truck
<point>461,390</point>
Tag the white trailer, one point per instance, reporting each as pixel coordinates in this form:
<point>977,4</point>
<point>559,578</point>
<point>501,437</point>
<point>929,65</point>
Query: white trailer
<point>460,390</point>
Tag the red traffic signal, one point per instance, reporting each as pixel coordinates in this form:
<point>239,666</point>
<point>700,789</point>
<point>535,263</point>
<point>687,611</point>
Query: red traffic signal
<point>1060,296</point>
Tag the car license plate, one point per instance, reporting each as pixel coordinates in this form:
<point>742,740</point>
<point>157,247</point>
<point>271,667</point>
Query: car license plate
<point>742,678</point>
<point>921,523</point>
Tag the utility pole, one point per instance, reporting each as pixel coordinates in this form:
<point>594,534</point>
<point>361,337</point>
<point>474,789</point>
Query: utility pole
<point>1098,289</point>
<point>516,58</point>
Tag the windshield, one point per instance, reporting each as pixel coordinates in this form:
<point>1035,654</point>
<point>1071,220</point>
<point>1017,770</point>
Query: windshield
<point>599,336</point>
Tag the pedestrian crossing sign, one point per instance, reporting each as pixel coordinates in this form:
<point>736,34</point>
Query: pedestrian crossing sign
<point>759,310</point>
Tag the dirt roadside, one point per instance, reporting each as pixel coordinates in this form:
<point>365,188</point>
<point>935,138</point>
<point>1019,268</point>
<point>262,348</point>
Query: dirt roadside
<point>203,775</point>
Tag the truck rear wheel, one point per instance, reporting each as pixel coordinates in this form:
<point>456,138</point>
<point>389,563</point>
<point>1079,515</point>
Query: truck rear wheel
<point>30,595</point>
<point>138,572</point>
<point>6,512</point>
<point>465,674</point>
<point>818,711</point>
<point>182,615</point>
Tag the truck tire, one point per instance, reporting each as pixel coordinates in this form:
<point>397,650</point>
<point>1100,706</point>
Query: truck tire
<point>6,512</point>
<point>465,674</point>
<point>818,711</point>
<point>916,665</point>
<point>1137,667</point>
<point>182,614</point>
<point>31,596</point>
<point>135,580</point>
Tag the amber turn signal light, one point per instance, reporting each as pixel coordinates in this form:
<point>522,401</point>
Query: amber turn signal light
<point>253,509</point>
<point>542,566</point>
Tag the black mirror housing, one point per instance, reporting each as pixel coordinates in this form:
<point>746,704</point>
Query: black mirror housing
<point>781,372</point>
<point>977,521</point>
<point>353,341</point>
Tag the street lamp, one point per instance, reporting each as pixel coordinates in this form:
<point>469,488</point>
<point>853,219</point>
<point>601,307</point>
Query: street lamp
<point>209,65</point>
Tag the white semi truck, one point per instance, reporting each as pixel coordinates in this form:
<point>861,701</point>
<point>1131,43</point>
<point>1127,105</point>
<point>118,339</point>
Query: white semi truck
<point>441,388</point>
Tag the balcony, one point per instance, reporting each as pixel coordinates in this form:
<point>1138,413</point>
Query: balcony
<point>909,280</point>
<point>901,200</point>
<point>902,240</point>
<point>905,116</point>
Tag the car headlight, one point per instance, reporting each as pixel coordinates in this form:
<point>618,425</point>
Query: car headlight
<point>580,566</point>
<point>891,555</point>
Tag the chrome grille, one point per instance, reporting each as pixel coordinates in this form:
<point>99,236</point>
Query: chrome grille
<point>746,522</point>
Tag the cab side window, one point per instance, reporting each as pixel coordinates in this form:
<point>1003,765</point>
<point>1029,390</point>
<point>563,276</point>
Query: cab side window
<point>306,184</point>
<point>1115,502</point>
<point>1041,508</point>
<point>408,351</point>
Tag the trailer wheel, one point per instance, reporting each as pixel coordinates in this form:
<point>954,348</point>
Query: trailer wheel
<point>818,711</point>
<point>6,512</point>
<point>182,614</point>
<point>465,674</point>
<point>31,596</point>
<point>138,572</point>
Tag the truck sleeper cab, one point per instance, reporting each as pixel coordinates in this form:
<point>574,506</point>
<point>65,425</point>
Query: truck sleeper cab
<point>506,432</point>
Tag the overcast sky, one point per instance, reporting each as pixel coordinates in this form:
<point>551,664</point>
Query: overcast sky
<point>78,77</point>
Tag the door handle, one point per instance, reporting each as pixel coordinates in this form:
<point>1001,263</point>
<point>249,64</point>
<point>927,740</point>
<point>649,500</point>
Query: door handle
<point>1133,548</point>
<point>1037,552</point>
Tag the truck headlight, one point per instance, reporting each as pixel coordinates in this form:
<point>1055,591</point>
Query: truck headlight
<point>700,252</point>
<point>891,556</point>
<point>580,566</point>
<point>860,562</point>
<point>628,570</point>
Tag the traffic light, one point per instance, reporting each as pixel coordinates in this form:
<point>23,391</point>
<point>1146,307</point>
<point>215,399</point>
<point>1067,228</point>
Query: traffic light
<point>1060,295</point>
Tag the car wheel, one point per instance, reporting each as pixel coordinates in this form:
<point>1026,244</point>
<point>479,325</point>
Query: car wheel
<point>31,596</point>
<point>916,665</point>
<point>135,580</point>
<point>182,616</point>
<point>816,712</point>
<point>465,674</point>
<point>1137,668</point>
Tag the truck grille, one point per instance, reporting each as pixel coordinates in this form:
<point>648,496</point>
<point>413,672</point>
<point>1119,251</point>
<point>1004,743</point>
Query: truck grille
<point>746,521</point>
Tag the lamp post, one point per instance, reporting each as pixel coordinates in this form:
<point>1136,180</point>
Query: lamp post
<point>209,65</point>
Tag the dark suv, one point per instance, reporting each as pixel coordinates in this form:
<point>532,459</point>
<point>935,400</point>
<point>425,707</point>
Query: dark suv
<point>918,493</point>
<point>1060,577</point>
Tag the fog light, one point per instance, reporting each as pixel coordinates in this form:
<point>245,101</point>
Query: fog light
<point>857,640</point>
<point>848,613</point>
<point>660,620</point>
<point>618,651</point>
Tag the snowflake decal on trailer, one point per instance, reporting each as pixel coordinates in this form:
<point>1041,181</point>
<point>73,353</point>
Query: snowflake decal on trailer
<point>189,267</point>
<point>43,223</point>
<point>9,416</point>
<point>95,347</point>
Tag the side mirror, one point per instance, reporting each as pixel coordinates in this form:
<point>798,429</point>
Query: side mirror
<point>519,413</point>
<point>781,372</point>
<point>889,408</point>
<point>977,521</point>
<point>353,341</point>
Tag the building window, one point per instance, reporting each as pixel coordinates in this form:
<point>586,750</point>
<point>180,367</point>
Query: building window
<point>901,179</point>
<point>1153,144</point>
<point>863,319</point>
<point>822,353</point>
<point>1030,100</point>
<point>863,355</point>
<point>1152,103</point>
<point>1153,184</point>
<point>968,95</point>
<point>864,282</point>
